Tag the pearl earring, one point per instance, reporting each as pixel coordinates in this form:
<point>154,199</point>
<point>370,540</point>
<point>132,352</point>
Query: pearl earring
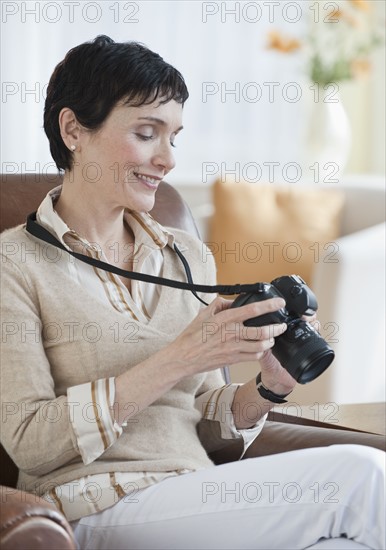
<point>73,147</point>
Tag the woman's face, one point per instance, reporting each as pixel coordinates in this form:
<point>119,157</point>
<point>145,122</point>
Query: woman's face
<point>127,158</point>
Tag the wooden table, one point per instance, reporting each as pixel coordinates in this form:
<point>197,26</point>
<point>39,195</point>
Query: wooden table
<point>369,417</point>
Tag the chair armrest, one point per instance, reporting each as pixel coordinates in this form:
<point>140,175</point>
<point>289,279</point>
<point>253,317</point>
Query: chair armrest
<point>29,522</point>
<point>351,296</point>
<point>364,207</point>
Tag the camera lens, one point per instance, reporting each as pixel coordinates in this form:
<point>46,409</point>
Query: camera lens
<point>300,349</point>
<point>303,352</point>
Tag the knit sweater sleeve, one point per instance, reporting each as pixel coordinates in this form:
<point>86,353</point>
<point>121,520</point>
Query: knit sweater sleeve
<point>38,426</point>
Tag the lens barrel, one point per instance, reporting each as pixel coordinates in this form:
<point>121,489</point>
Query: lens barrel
<point>303,352</point>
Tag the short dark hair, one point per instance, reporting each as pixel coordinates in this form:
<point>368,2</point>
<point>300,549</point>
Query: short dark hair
<point>94,76</point>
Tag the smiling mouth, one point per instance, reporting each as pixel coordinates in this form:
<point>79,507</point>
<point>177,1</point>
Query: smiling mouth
<point>149,180</point>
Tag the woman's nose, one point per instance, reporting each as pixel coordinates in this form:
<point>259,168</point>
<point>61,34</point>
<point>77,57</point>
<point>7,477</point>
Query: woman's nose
<point>164,157</point>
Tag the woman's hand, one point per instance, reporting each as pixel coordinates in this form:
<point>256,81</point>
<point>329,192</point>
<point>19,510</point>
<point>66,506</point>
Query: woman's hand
<point>218,337</point>
<point>273,375</point>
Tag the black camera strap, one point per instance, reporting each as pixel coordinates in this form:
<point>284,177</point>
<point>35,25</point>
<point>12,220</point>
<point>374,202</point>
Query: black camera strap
<point>43,234</point>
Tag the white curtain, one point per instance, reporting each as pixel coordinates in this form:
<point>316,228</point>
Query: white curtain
<point>218,47</point>
<point>246,106</point>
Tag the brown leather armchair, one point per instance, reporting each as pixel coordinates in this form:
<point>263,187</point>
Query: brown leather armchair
<point>27,521</point>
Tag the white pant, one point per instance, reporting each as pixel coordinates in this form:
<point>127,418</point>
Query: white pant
<point>287,501</point>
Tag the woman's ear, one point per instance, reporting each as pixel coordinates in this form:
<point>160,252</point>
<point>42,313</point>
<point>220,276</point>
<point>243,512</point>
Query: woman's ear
<point>70,129</point>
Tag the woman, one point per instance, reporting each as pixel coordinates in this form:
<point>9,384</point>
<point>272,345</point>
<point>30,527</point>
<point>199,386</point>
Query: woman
<point>121,398</point>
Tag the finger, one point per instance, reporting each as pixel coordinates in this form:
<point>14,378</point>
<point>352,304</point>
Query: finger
<point>316,324</point>
<point>242,313</point>
<point>220,304</point>
<point>234,352</point>
<point>309,318</point>
<point>235,332</point>
<point>263,333</point>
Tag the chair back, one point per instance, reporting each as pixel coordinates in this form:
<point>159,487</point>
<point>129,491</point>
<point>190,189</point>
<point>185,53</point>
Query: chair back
<point>21,194</point>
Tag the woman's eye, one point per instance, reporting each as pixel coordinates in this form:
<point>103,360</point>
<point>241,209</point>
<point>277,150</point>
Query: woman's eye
<point>148,137</point>
<point>144,137</point>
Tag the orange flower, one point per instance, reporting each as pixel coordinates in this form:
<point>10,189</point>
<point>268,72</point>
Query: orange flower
<point>342,15</point>
<point>284,44</point>
<point>360,67</point>
<point>361,4</point>
<point>335,14</point>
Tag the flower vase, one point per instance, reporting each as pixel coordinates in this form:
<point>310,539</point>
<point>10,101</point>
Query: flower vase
<point>327,135</point>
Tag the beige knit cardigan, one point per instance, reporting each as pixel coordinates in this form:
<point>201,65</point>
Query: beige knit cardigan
<point>57,335</point>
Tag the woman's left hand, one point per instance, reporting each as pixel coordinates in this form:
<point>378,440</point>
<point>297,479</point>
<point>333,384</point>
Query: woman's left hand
<point>273,375</point>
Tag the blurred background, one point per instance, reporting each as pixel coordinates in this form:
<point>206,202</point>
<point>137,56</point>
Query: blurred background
<point>283,95</point>
<point>248,66</point>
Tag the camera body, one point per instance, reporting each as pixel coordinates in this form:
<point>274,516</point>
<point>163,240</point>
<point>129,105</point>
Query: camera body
<point>300,349</point>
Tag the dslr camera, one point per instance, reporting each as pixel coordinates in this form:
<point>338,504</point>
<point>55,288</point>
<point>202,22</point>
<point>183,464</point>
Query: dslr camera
<point>300,349</point>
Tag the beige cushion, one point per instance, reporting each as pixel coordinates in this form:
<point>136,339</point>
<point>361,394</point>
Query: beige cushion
<point>259,232</point>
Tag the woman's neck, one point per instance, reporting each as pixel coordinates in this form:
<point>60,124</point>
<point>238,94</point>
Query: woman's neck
<point>94,221</point>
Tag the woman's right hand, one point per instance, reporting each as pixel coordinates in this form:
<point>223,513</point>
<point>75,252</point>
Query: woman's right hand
<point>218,337</point>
